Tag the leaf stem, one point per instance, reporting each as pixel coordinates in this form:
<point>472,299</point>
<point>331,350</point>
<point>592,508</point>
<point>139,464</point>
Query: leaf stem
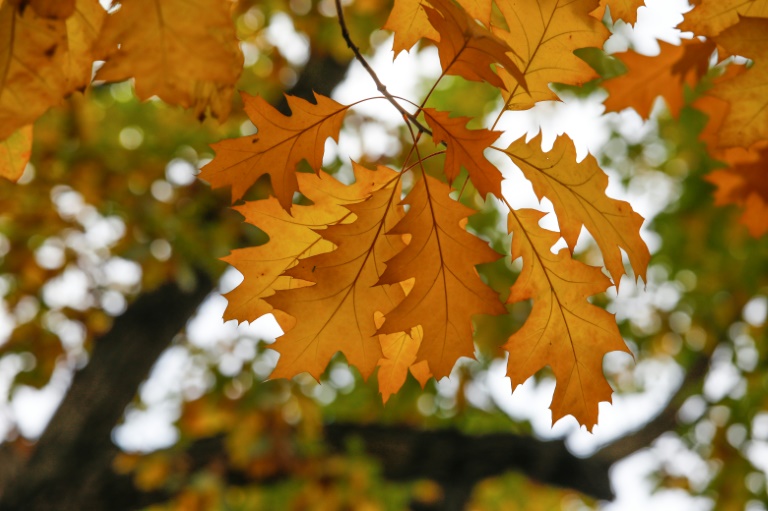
<point>379,85</point>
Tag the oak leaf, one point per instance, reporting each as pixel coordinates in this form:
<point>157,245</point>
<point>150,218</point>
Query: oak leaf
<point>710,17</point>
<point>14,153</point>
<point>665,74</point>
<point>43,60</point>
<point>408,20</point>
<point>542,36</point>
<point>337,312</point>
<point>745,185</point>
<point>747,93</point>
<point>468,49</point>
<point>277,148</point>
<point>564,330</point>
<point>399,356</point>
<point>577,192</point>
<point>619,9</point>
<point>465,149</point>
<point>185,52</point>
<point>441,257</point>
<point>293,235</point>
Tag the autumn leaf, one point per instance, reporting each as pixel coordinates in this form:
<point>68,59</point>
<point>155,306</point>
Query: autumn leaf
<point>564,330</point>
<point>43,60</point>
<point>277,148</point>
<point>542,36</point>
<point>447,292</point>
<point>747,93</point>
<point>744,184</point>
<point>15,152</point>
<point>408,20</point>
<point>665,74</point>
<point>465,149</point>
<point>710,17</point>
<point>337,312</point>
<point>468,49</point>
<point>185,52</point>
<point>56,9</point>
<point>577,192</point>
<point>293,235</point>
<point>619,9</point>
<point>399,355</point>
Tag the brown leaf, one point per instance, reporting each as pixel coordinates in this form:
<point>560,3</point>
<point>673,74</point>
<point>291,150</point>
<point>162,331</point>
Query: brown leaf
<point>468,49</point>
<point>337,312</point>
<point>564,330</point>
<point>577,192</point>
<point>542,36</point>
<point>185,52</point>
<point>447,292</point>
<point>277,148</point>
<point>56,9</point>
<point>465,149</point>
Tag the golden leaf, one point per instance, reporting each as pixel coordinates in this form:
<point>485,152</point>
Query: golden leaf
<point>577,192</point>
<point>564,330</point>
<point>447,292</point>
<point>710,17</point>
<point>543,35</point>
<point>399,352</point>
<point>277,148</point>
<point>619,9</point>
<point>185,52</point>
<point>14,153</point>
<point>43,60</point>
<point>337,312</point>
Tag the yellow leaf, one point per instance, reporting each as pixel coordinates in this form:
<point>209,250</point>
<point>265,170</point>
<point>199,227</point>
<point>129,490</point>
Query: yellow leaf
<point>577,192</point>
<point>185,52</point>
<point>564,330</point>
<point>293,236</point>
<point>747,93</point>
<point>399,352</point>
<point>543,35</point>
<point>465,149</point>
<point>468,49</point>
<point>43,60</point>
<point>277,148</point>
<point>710,17</point>
<point>14,153</point>
<point>337,312</point>
<point>447,292</point>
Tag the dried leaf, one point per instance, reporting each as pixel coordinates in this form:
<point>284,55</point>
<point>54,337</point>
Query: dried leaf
<point>564,330</point>
<point>577,192</point>
<point>277,148</point>
<point>447,292</point>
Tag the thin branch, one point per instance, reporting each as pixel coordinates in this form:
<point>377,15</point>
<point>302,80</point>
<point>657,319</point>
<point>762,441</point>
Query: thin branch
<point>379,85</point>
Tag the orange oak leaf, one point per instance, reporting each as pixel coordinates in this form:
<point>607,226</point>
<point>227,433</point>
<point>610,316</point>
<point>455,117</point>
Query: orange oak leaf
<point>447,292</point>
<point>543,35</point>
<point>15,152</point>
<point>399,352</point>
<point>619,9</point>
<point>564,330</point>
<point>468,49</point>
<point>277,148</point>
<point>465,149</point>
<point>716,109</point>
<point>292,236</point>
<point>408,20</point>
<point>745,185</point>
<point>710,17</point>
<point>648,77</point>
<point>747,119</point>
<point>43,60</point>
<point>577,192</point>
<point>337,312</point>
<point>185,52</point>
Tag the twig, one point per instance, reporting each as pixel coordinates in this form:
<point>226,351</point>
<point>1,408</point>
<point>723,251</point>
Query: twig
<point>380,86</point>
